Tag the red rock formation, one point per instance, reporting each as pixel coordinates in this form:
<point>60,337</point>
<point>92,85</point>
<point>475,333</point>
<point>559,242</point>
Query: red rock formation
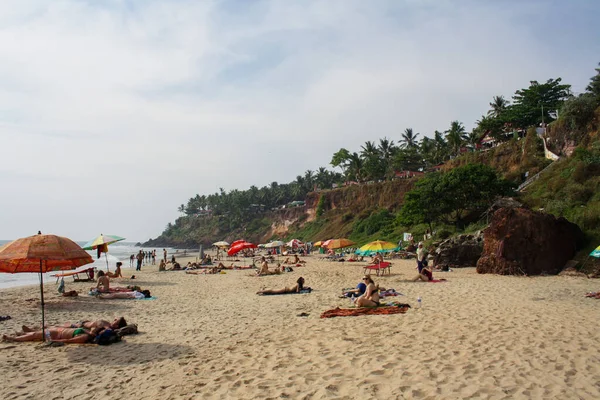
<point>519,241</point>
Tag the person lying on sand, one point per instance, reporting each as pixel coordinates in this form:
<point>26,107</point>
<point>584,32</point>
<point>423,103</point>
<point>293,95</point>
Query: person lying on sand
<point>144,294</point>
<point>371,296</point>
<point>288,289</point>
<point>63,335</point>
<point>117,273</point>
<point>89,325</point>
<point>425,275</point>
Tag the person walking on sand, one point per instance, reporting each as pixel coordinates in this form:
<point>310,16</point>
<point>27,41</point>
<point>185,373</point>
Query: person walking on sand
<point>140,259</point>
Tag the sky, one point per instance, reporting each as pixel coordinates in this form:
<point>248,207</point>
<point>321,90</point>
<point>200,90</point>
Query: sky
<point>115,112</point>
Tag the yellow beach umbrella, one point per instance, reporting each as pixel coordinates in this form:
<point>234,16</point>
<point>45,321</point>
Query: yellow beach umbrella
<point>317,244</point>
<point>377,246</point>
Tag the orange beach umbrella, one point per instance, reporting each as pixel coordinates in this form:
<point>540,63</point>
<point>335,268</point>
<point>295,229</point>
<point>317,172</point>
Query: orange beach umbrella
<point>338,243</point>
<point>42,253</point>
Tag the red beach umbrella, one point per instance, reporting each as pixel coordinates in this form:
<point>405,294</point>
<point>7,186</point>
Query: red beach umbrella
<point>42,253</point>
<point>236,248</point>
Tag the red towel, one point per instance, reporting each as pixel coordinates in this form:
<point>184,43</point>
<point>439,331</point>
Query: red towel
<point>350,312</point>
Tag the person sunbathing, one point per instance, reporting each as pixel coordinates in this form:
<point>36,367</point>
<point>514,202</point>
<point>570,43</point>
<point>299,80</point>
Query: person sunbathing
<point>297,260</point>
<point>117,273</point>
<point>89,325</point>
<point>103,285</point>
<point>371,296</point>
<point>288,289</point>
<point>425,275</point>
<point>58,334</point>
<point>144,294</point>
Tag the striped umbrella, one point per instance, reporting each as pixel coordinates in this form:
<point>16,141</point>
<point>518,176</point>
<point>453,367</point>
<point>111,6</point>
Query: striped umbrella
<point>378,246</point>
<point>101,243</point>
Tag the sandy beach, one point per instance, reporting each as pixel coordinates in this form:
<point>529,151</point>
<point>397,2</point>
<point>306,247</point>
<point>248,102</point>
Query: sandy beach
<point>211,336</point>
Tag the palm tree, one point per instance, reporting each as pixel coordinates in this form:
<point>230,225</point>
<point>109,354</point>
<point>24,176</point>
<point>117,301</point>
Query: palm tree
<point>456,136</point>
<point>473,138</point>
<point>409,139</point>
<point>427,149</point>
<point>355,165</point>
<point>387,149</point>
<point>369,150</point>
<point>498,106</point>
<point>309,180</point>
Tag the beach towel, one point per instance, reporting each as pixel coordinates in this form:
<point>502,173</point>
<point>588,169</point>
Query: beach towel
<point>352,312</point>
<point>389,292</point>
<point>437,280</point>
<point>303,291</point>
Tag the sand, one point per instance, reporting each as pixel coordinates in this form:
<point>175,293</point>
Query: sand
<point>212,337</point>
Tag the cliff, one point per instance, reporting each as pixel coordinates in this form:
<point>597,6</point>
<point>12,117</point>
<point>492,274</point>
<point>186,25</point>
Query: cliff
<point>340,208</point>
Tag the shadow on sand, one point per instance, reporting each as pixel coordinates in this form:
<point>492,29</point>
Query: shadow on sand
<point>127,353</point>
<point>86,303</point>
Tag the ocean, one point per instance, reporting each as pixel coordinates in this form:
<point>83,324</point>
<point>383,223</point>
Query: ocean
<point>119,251</point>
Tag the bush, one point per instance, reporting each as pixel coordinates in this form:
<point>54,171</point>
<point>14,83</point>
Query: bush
<point>321,206</point>
<point>378,221</point>
<point>443,234</point>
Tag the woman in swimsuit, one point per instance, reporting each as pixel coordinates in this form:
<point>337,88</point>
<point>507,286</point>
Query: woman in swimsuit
<point>103,285</point>
<point>425,275</point>
<point>288,289</point>
<point>117,273</point>
<point>371,296</point>
<point>64,335</point>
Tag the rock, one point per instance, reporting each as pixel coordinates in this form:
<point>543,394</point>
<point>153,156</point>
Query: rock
<point>519,241</point>
<point>460,251</point>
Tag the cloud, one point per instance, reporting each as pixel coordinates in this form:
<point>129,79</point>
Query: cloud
<point>114,113</point>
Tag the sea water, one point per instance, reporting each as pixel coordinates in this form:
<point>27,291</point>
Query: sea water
<point>120,251</point>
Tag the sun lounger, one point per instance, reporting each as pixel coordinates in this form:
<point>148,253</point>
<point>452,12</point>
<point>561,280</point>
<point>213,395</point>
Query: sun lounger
<point>87,275</point>
<point>378,268</point>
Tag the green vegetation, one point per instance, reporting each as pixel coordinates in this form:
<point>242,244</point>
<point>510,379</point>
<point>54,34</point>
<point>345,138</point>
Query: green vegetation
<point>451,196</point>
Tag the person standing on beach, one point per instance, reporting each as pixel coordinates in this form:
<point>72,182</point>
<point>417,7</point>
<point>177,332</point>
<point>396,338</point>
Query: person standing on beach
<point>421,257</point>
<point>140,259</point>
<point>131,258</point>
<point>154,257</point>
<point>165,255</point>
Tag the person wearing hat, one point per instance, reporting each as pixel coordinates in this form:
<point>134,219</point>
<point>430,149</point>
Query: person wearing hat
<point>421,257</point>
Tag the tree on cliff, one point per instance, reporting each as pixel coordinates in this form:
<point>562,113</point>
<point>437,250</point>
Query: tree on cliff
<point>594,87</point>
<point>449,197</point>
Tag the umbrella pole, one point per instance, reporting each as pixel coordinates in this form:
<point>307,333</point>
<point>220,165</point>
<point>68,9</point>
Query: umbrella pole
<point>106,257</point>
<point>42,296</point>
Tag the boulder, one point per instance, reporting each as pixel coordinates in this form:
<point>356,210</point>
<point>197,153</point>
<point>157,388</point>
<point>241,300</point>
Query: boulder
<point>459,251</point>
<point>519,241</point>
